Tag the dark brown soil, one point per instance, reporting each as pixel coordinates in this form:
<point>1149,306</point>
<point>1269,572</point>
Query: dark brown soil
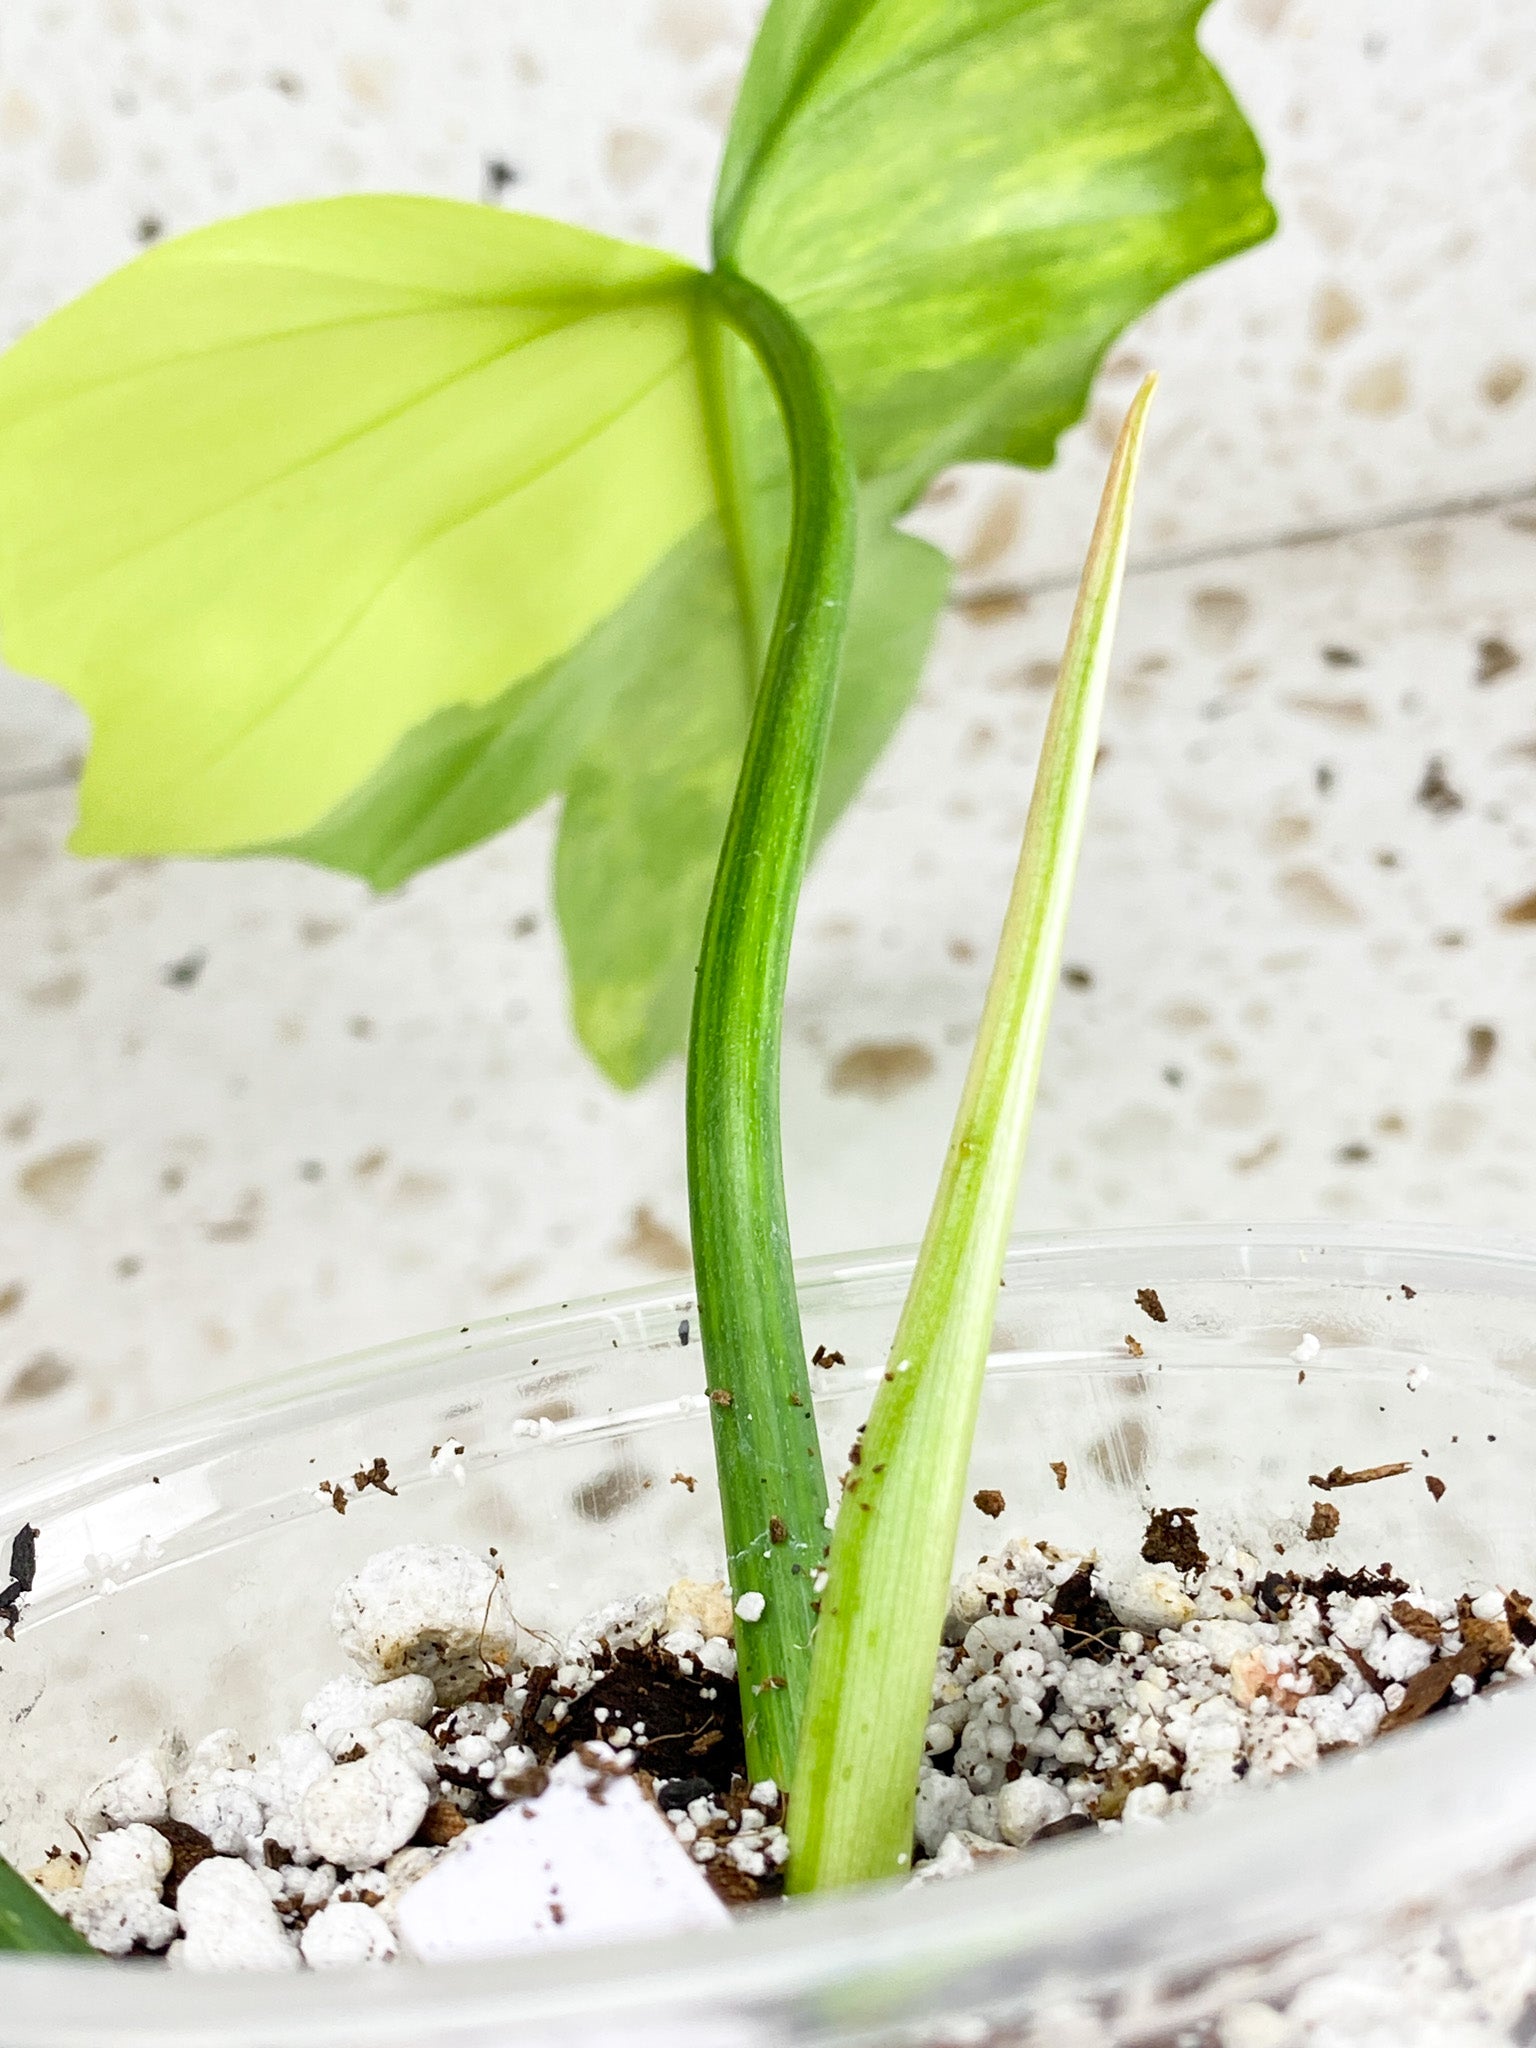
<point>189,1847</point>
<point>1089,1626</point>
<point>692,1725</point>
<point>1276,1590</point>
<point>1147,1301</point>
<point>694,1746</point>
<point>1172,1538</point>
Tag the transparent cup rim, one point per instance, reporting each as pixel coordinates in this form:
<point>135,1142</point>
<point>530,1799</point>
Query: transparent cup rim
<point>1395,1819</point>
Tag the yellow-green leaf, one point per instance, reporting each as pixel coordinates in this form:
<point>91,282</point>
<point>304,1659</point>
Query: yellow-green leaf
<point>283,489</point>
<point>888,1575</point>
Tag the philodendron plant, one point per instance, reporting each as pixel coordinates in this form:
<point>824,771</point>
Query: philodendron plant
<point>360,527</point>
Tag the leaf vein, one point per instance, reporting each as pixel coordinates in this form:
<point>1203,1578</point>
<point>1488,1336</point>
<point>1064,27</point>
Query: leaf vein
<point>422,546</point>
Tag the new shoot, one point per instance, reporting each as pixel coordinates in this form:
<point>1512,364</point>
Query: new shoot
<point>887,1583</point>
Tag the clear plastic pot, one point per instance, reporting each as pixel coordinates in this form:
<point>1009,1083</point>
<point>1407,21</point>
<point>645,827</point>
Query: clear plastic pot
<point>186,1568</point>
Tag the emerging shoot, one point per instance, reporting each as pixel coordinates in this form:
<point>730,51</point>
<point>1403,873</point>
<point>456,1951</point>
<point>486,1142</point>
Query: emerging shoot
<point>882,1608</point>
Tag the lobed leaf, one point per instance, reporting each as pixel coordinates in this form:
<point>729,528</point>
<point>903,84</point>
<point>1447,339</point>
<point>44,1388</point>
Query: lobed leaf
<point>363,527</point>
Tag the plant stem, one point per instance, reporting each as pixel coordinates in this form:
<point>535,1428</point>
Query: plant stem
<point>29,1923</point>
<point>850,1811</point>
<point>772,1487</point>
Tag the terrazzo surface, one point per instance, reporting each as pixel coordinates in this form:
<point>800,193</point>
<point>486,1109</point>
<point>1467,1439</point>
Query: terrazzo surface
<point>250,1114</point>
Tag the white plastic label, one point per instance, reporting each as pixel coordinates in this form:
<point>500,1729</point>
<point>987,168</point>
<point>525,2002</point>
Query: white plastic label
<point>589,1860</point>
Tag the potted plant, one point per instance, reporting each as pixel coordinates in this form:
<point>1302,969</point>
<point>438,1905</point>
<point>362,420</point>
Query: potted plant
<point>411,506</point>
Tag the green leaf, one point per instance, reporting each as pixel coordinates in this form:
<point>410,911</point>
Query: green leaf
<point>882,1608</point>
<point>646,808</point>
<point>964,202</point>
<point>649,797</point>
<point>282,490</point>
<point>29,1924</point>
<point>359,527</point>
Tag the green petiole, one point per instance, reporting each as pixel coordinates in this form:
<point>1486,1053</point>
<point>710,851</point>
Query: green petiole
<point>772,1487</point>
<point>882,1610</point>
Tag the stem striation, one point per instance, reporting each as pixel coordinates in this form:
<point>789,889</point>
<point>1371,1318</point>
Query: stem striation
<point>772,1486</point>
<point>850,1810</point>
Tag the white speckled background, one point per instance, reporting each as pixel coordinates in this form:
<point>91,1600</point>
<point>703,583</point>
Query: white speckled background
<point>250,1114</point>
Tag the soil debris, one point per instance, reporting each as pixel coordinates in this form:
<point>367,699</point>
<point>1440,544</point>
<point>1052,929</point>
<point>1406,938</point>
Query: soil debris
<point>1250,1676</point>
<point>1134,1344</point>
<point>1430,1688</point>
<point>442,1823</point>
<point>1436,1486</point>
<point>1149,1304</point>
<point>827,1359</point>
<point>683,1479</point>
<point>1416,1621</point>
<point>1058,1466</point>
<point>989,1501</point>
<point>1089,1625</point>
<point>1172,1538</point>
<point>1324,1671</point>
<point>1326,1481</point>
<point>376,1476</point>
<point>1324,1522</point>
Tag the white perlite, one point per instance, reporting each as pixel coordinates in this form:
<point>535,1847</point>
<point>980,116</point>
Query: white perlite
<point>344,1934</point>
<point>360,1813</point>
<point>117,1918</point>
<point>135,1855</point>
<point>1033,1721</point>
<point>229,1921</point>
<point>135,1791</point>
<point>438,1611</point>
<point>340,1710</point>
<point>117,1904</point>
